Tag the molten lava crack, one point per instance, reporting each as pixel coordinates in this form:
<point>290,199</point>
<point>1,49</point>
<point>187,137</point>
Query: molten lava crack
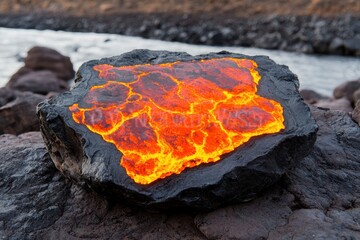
<point>167,117</point>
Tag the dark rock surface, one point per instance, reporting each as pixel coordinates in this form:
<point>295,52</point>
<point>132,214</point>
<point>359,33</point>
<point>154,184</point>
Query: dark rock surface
<point>308,34</point>
<point>329,177</point>
<point>18,111</point>
<point>347,90</point>
<point>319,199</point>
<point>41,82</point>
<point>32,191</point>
<point>86,158</point>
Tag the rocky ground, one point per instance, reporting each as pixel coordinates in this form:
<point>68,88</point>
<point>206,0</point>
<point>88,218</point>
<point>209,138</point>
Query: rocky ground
<point>317,26</point>
<point>318,199</point>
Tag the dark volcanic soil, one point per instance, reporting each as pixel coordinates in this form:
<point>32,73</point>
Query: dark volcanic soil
<point>327,27</point>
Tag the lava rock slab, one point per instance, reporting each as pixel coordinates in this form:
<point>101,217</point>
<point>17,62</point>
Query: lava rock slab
<point>239,176</point>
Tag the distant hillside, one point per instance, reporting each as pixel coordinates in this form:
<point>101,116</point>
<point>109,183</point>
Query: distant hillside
<point>236,8</point>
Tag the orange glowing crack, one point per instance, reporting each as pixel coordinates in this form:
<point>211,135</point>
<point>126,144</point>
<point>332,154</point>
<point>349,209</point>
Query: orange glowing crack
<point>167,117</point>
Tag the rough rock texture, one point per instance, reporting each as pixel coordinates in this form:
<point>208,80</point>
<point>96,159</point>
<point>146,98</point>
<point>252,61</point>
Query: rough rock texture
<point>18,111</point>
<point>89,216</point>
<point>319,199</point>
<point>311,97</point>
<point>334,161</point>
<point>347,90</point>
<point>32,191</point>
<point>42,58</point>
<point>86,158</point>
<point>316,200</point>
<point>41,82</point>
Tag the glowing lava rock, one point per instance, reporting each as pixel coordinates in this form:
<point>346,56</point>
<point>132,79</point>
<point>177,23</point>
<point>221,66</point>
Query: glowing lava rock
<point>164,129</point>
<point>167,117</point>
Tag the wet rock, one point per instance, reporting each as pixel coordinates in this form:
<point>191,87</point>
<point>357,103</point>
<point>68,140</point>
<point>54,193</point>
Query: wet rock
<point>342,104</point>
<point>329,177</point>
<point>42,58</point>
<point>18,111</point>
<point>32,191</point>
<point>347,90</point>
<point>85,157</point>
<point>41,82</point>
<point>311,97</point>
<point>356,112</point>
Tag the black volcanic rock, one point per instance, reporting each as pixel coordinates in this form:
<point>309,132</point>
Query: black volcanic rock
<point>83,155</point>
<point>32,191</point>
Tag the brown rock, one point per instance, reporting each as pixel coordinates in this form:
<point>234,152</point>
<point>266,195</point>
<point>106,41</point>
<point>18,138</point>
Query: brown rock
<point>6,95</point>
<point>42,58</point>
<point>356,113</point>
<point>311,97</point>
<point>347,90</point>
<point>342,104</point>
<point>41,82</point>
<point>18,113</point>
<point>21,72</point>
<point>356,96</point>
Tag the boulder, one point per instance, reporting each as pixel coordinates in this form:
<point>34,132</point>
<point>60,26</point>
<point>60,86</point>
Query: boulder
<point>82,153</point>
<point>18,111</point>
<point>311,97</point>
<point>42,58</point>
<point>41,82</point>
<point>32,191</point>
<point>347,90</point>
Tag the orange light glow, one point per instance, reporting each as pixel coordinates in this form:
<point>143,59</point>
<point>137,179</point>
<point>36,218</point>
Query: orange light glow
<point>167,117</point>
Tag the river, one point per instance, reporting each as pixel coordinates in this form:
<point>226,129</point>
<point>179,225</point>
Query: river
<point>320,73</point>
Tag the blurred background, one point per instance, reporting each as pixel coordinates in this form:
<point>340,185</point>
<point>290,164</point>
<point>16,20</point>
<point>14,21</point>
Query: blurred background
<point>318,39</point>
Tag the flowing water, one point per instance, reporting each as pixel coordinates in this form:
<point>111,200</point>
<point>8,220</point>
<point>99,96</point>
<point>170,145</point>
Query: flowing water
<point>320,73</point>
